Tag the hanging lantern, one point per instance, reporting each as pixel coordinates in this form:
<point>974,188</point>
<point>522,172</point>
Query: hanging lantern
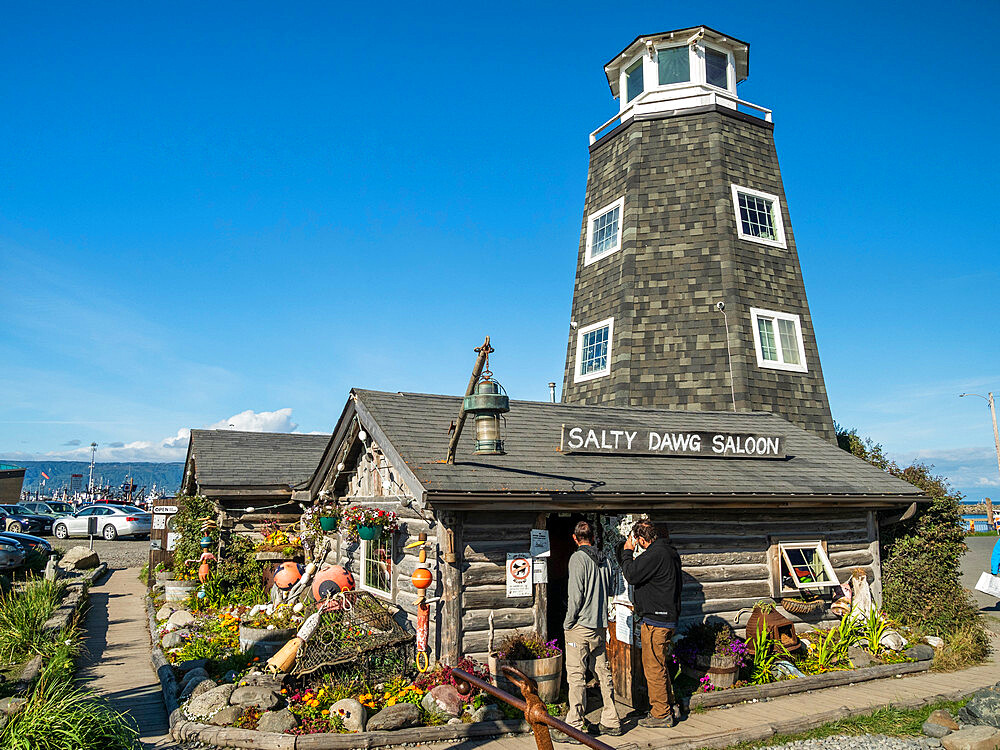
<point>487,403</point>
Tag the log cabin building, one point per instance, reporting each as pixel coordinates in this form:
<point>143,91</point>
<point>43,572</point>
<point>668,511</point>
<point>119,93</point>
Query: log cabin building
<point>692,393</point>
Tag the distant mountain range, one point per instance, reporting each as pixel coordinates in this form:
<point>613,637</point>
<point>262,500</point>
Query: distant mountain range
<point>166,476</point>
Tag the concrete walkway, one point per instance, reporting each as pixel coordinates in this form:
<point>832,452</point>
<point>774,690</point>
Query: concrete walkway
<point>719,728</point>
<point>115,662</point>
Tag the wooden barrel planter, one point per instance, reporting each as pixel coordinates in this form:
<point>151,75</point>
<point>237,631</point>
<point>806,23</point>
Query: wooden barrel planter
<point>721,670</point>
<point>178,591</point>
<point>265,643</point>
<point>546,672</point>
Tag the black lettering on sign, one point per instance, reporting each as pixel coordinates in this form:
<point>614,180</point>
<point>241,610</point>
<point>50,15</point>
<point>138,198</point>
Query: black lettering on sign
<point>644,442</point>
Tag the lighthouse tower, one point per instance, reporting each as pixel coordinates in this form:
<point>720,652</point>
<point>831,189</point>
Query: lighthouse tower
<point>688,291</point>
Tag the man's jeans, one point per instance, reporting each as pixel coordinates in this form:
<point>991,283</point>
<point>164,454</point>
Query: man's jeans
<point>656,665</point>
<point>586,647</point>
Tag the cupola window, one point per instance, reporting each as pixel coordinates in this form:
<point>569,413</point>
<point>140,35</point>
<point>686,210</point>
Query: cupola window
<point>593,350</point>
<point>673,65</point>
<point>758,216</point>
<point>717,68</point>
<point>778,339</point>
<point>633,79</point>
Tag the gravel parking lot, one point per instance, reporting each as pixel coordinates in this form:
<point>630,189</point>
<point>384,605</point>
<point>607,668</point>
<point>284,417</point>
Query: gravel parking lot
<point>121,553</point>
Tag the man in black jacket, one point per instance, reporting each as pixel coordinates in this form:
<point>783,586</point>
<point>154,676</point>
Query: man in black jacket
<point>656,578</point>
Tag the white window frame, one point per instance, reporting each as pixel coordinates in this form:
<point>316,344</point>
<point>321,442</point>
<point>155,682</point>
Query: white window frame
<point>757,313</point>
<point>779,224</point>
<point>363,578</point>
<point>577,377</point>
<point>730,68</point>
<point>589,257</point>
<point>815,545</point>
<point>693,63</point>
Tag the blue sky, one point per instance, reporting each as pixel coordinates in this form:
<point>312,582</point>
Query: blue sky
<point>233,213</point>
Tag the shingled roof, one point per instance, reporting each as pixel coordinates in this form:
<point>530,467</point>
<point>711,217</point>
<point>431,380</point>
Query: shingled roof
<point>415,426</point>
<point>229,458</point>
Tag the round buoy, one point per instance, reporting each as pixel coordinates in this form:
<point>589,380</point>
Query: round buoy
<point>421,578</point>
<point>331,581</point>
<point>287,574</point>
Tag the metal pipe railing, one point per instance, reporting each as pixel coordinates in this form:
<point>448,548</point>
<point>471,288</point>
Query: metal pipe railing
<point>533,707</point>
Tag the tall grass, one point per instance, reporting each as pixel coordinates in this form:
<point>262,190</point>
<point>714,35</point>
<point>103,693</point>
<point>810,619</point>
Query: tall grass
<point>22,615</point>
<point>59,716</point>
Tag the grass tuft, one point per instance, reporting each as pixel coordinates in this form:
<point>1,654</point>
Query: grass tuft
<point>22,615</point>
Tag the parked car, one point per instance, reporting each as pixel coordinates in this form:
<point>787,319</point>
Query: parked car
<point>28,541</point>
<point>11,554</point>
<point>113,521</point>
<point>51,508</point>
<point>18,519</point>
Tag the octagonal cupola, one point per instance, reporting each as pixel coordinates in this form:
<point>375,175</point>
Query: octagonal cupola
<point>680,69</point>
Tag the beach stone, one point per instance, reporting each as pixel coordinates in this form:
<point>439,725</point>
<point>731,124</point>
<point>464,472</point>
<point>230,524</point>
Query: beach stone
<point>226,716</point>
<point>187,666</point>
<point>79,558</point>
<point>982,708</point>
<point>164,612</point>
<point>202,687</point>
<point>181,618</point>
<point>944,719</point>
<point>277,721</point>
<point>193,676</point>
<point>353,714</point>
<point>259,679</point>
<point>892,641</point>
<point>933,641</point>
<point>934,730</point>
<point>920,652</point>
<point>171,640</point>
<point>400,716</point>
<point>972,738</point>
<point>859,657</point>
<point>487,713</point>
<point>443,701</point>
<point>210,701</point>
<point>253,695</point>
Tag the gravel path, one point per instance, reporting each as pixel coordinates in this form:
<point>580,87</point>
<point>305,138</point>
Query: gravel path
<point>860,742</point>
<point>121,553</point>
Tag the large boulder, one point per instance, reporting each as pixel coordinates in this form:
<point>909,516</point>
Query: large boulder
<point>982,708</point>
<point>226,716</point>
<point>352,713</point>
<point>277,721</point>
<point>181,618</point>
<point>254,695</point>
<point>80,558</point>
<point>400,716</point>
<point>972,738</point>
<point>209,702</point>
<point>443,702</point>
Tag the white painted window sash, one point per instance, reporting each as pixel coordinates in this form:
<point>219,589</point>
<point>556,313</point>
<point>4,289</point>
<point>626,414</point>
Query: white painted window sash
<point>776,219</point>
<point>812,546</point>
<point>756,314</point>
<point>578,376</point>
<point>592,219</point>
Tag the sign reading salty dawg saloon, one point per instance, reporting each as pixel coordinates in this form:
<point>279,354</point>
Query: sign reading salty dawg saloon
<point>646,442</point>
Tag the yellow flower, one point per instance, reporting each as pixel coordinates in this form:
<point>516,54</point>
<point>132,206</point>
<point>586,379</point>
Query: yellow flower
<point>325,712</point>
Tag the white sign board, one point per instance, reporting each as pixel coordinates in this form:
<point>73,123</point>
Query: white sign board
<point>172,538</point>
<point>540,543</point>
<point>168,509</point>
<point>518,574</point>
<point>539,570</point>
<point>159,522</point>
<point>988,584</point>
<point>623,623</point>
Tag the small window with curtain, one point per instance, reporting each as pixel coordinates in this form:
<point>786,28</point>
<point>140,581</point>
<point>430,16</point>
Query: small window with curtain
<point>717,68</point>
<point>758,216</point>
<point>376,567</point>
<point>673,65</point>
<point>633,80</point>
<point>778,339</point>
<point>593,350</point>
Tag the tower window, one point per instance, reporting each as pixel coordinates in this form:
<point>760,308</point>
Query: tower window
<point>717,68</point>
<point>673,65</point>
<point>633,80</point>
<point>593,350</point>
<point>778,339</point>
<point>604,231</point>
<point>758,216</point>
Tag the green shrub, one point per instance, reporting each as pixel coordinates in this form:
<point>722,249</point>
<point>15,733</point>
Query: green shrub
<point>59,716</point>
<point>22,615</point>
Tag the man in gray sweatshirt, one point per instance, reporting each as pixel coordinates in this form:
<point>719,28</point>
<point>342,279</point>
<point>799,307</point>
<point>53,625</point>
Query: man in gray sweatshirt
<point>586,625</point>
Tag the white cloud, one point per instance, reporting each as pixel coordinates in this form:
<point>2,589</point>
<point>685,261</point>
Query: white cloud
<point>965,468</point>
<point>170,448</point>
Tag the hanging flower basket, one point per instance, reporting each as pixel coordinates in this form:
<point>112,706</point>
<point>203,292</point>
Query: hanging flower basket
<point>368,523</point>
<point>328,523</point>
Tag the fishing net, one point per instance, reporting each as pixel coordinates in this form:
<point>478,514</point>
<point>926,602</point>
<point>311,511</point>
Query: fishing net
<point>357,637</point>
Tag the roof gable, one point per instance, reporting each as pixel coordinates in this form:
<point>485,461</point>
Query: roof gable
<point>231,458</point>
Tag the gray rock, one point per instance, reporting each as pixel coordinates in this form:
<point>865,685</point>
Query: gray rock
<point>210,701</point>
<point>226,716</point>
<point>79,558</point>
<point>187,666</point>
<point>181,618</point>
<point>171,640</point>
<point>972,738</point>
<point>192,678</point>
<point>277,721</point>
<point>920,652</point>
<point>982,708</point>
<point>202,687</point>
<point>934,730</point>
<point>944,719</point>
<point>10,705</point>
<point>259,679</point>
<point>859,657</point>
<point>254,695</point>
<point>164,612</point>
<point>443,702</point>
<point>455,720</point>
<point>486,713</point>
<point>400,716</point>
<point>933,641</point>
<point>352,713</point>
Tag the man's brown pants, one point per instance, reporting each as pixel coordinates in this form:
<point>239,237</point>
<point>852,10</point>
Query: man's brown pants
<point>656,664</point>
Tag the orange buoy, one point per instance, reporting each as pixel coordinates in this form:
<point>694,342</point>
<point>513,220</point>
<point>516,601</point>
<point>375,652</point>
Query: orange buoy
<point>331,581</point>
<point>421,578</point>
<point>287,574</point>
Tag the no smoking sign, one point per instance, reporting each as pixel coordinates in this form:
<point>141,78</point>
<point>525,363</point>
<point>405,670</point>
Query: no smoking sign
<point>518,574</point>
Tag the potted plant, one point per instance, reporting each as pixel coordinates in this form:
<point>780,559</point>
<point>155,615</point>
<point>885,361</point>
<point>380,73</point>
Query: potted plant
<point>184,583</point>
<point>540,660</point>
<point>711,653</point>
<point>279,544</point>
<point>368,523</point>
<point>328,516</point>
<point>268,629</point>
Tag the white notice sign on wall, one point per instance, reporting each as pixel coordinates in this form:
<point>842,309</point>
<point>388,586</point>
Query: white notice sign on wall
<point>172,538</point>
<point>540,543</point>
<point>159,522</point>
<point>518,574</point>
<point>623,623</point>
<point>539,570</point>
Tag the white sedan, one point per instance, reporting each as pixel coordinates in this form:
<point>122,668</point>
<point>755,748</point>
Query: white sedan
<point>113,521</point>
